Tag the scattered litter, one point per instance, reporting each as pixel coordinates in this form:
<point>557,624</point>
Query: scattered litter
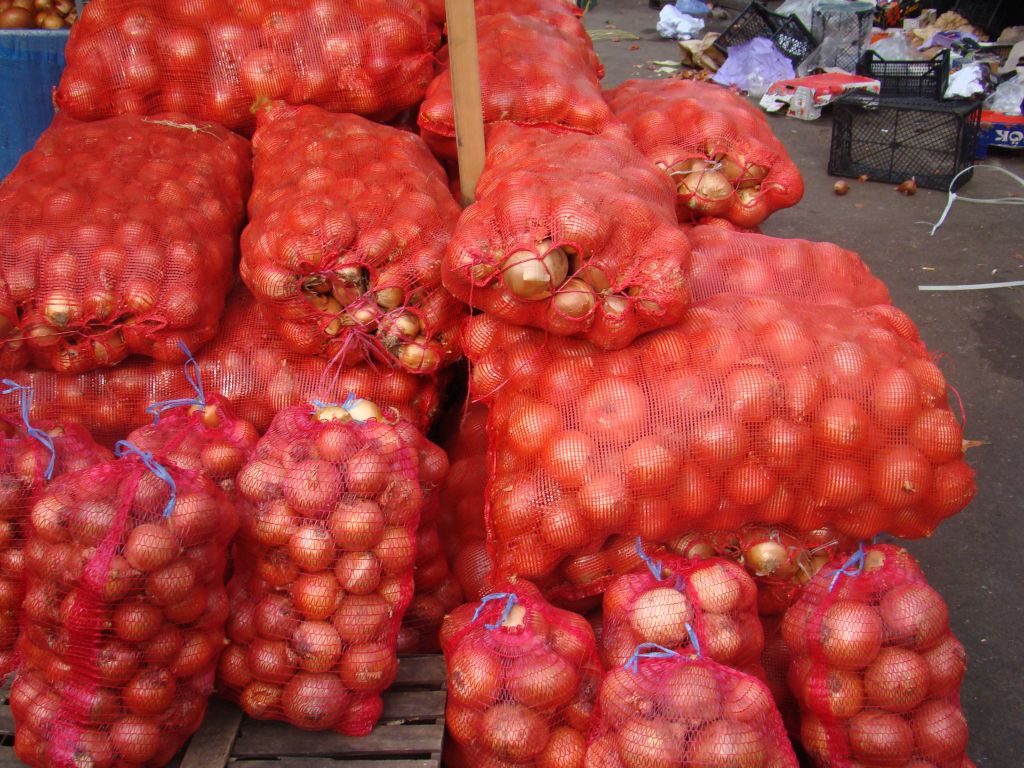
<point>701,54</point>
<point>953,196</point>
<point>678,26</point>
<point>824,88</point>
<point>966,82</point>
<point>972,287</point>
<point>610,33</point>
<point>757,59</point>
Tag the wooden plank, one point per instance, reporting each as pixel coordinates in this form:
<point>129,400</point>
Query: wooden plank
<point>426,670</point>
<point>272,739</point>
<point>465,73</point>
<point>326,762</point>
<point>414,705</point>
<point>211,745</point>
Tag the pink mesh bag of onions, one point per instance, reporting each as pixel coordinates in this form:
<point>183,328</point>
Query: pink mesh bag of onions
<point>324,566</point>
<point>751,409</point>
<point>817,273</point>
<point>219,61</point>
<point>125,610</point>
<point>247,362</point>
<point>874,666</point>
<point>573,234</point>
<point>718,149</point>
<point>117,237</point>
<point>668,598</point>
<point>32,452</point>
<point>349,221</point>
<point>531,73</point>
<point>523,678</point>
<point>663,709</point>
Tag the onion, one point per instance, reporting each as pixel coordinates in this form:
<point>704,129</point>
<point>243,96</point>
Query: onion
<point>881,738</point>
<point>136,738</point>
<point>851,634</point>
<point>317,644</point>
<point>311,548</point>
<point>897,680</point>
<point>368,667</point>
<point>261,699</point>
<point>315,595</point>
<point>661,615</point>
<point>542,681</point>
<point>940,731</point>
<point>150,546</point>
<point>531,276</point>
<point>765,558</point>
<point>915,615</point>
<point>150,692</point>
<point>566,748</point>
<point>513,732</point>
<point>832,693</point>
<point>357,526</point>
<point>727,743</point>
<point>314,701</point>
<point>947,663</point>
<point>691,694</point>
<point>575,298</point>
<point>474,676</point>
<point>721,587</point>
<point>649,744</point>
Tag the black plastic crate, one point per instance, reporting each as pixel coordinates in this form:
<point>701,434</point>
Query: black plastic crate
<point>787,32</point>
<point>896,139</point>
<point>845,20</point>
<point>913,78</point>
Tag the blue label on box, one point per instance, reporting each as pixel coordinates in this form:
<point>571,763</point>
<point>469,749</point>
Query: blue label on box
<point>1003,134</point>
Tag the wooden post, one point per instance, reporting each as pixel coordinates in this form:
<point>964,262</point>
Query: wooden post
<point>469,114</point>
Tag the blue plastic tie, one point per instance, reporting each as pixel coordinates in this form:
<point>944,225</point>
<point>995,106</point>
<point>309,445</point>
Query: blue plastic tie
<point>510,600</point>
<point>38,434</point>
<point>694,641</point>
<point>852,567</point>
<point>123,446</point>
<point>347,405</point>
<point>194,377</point>
<point>652,566</point>
<point>647,651</point>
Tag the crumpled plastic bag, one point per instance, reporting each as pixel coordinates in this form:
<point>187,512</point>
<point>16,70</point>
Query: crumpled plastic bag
<point>675,25</point>
<point>693,7</point>
<point>1007,97</point>
<point>754,66</point>
<point>896,47</point>
<point>966,82</point>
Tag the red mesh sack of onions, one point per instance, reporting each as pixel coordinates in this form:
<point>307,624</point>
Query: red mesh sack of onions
<point>668,597</point>
<point>125,612</point>
<point>749,410</point>
<point>247,362</point>
<point>718,149</point>
<point>348,225</point>
<point>31,454</point>
<point>573,234</point>
<point>216,61</point>
<point>530,74</point>
<point>758,265</point>
<point>437,591</point>
<point>324,566</point>
<point>118,237</point>
<point>523,678</point>
<point>875,668</point>
<point>663,709</point>
<point>461,502</point>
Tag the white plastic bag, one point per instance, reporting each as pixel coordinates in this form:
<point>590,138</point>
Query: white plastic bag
<point>1007,97</point>
<point>678,26</point>
<point>758,57</point>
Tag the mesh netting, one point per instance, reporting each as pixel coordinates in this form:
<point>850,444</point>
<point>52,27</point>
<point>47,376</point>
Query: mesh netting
<point>323,566</point>
<point>247,362</point>
<point>118,237</point>
<point>874,666</point>
<point>667,597</point>
<point>31,453</point>
<point>718,149</point>
<point>461,513</point>
<point>666,710</point>
<point>574,234</point>
<point>218,61</point>
<point>348,225</point>
<point>758,265</point>
<point>437,591</point>
<point>530,74</point>
<point>523,678</point>
<point>749,410</point>
<point>125,610</point>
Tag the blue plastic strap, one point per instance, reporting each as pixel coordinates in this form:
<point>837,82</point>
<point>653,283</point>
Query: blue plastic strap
<point>347,405</point>
<point>194,377</point>
<point>694,641</point>
<point>38,434</point>
<point>510,600</point>
<point>123,446</point>
<point>647,651</point>
<point>652,566</point>
<point>852,567</point>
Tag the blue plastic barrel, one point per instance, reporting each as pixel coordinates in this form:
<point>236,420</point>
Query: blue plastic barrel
<point>31,61</point>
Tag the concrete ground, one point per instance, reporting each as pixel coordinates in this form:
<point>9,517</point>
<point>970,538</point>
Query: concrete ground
<point>972,558</point>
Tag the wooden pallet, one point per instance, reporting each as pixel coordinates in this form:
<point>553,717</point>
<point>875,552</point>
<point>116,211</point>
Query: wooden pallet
<point>409,734</point>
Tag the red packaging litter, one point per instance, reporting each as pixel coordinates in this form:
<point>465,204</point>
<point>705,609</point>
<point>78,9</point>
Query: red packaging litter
<point>125,610</point>
<point>573,234</point>
<point>718,149</point>
<point>874,666</point>
<point>323,566</point>
<point>348,225</point>
<point>665,709</point>
<point>523,678</point>
<point>32,452</point>
<point>530,74</point>
<point>117,237</point>
<point>221,61</point>
<point>751,410</point>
